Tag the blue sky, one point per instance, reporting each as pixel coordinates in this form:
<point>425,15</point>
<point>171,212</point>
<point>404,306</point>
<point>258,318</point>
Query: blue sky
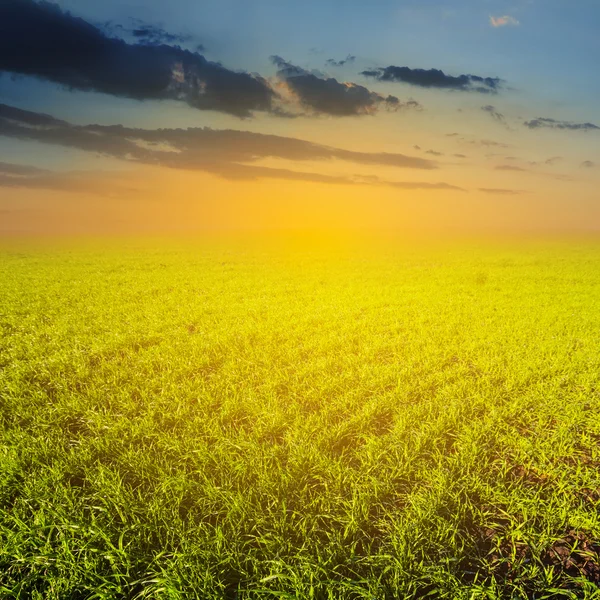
<point>554,49</point>
<point>550,57</point>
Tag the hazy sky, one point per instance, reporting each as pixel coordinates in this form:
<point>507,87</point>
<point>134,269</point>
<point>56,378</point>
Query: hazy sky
<point>218,114</point>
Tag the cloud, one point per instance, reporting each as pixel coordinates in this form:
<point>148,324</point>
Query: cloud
<point>227,153</point>
<point>28,177</point>
<point>503,21</point>
<point>39,39</point>
<point>20,176</point>
<point>419,185</point>
<point>483,143</point>
<point>501,192</point>
<point>340,63</point>
<point>150,34</point>
<point>587,164</point>
<point>407,185</point>
<point>553,160</point>
<point>434,152</point>
<point>487,143</point>
<point>12,170</point>
<point>509,168</point>
<point>326,95</point>
<point>495,114</point>
<point>434,78</point>
<point>459,155</point>
<point>543,122</point>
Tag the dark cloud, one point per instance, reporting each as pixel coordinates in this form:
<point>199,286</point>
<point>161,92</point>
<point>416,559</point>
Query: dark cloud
<point>587,164</point>
<point>460,156</point>
<point>41,40</point>
<point>340,63</point>
<point>509,168</point>
<point>553,160</point>
<point>501,192</point>
<point>326,95</point>
<point>416,147</point>
<point>434,152</point>
<point>542,122</point>
<point>221,152</point>
<point>434,78</point>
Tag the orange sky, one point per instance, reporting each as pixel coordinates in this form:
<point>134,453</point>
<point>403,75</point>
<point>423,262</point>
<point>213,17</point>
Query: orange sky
<point>152,199</point>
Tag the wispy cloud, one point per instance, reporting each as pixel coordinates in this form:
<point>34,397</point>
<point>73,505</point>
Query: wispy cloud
<point>148,33</point>
<point>25,176</point>
<point>340,63</point>
<point>503,21</point>
<point>13,170</point>
<point>495,114</point>
<point>226,153</point>
<point>484,143</point>
<point>501,191</point>
<point>185,148</point>
<point>509,168</point>
<point>544,122</point>
<point>21,176</point>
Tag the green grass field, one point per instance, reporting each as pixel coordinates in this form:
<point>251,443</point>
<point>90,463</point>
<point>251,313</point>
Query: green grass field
<point>235,422</point>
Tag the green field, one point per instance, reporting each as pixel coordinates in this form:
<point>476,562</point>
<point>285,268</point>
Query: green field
<point>238,422</point>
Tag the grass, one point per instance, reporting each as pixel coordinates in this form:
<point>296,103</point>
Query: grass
<point>231,423</point>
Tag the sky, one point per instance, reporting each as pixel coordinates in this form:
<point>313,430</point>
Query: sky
<point>476,116</point>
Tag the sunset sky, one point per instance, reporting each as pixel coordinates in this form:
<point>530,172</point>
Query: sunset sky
<point>216,115</point>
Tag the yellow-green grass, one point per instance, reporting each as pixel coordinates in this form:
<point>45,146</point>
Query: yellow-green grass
<point>235,422</point>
